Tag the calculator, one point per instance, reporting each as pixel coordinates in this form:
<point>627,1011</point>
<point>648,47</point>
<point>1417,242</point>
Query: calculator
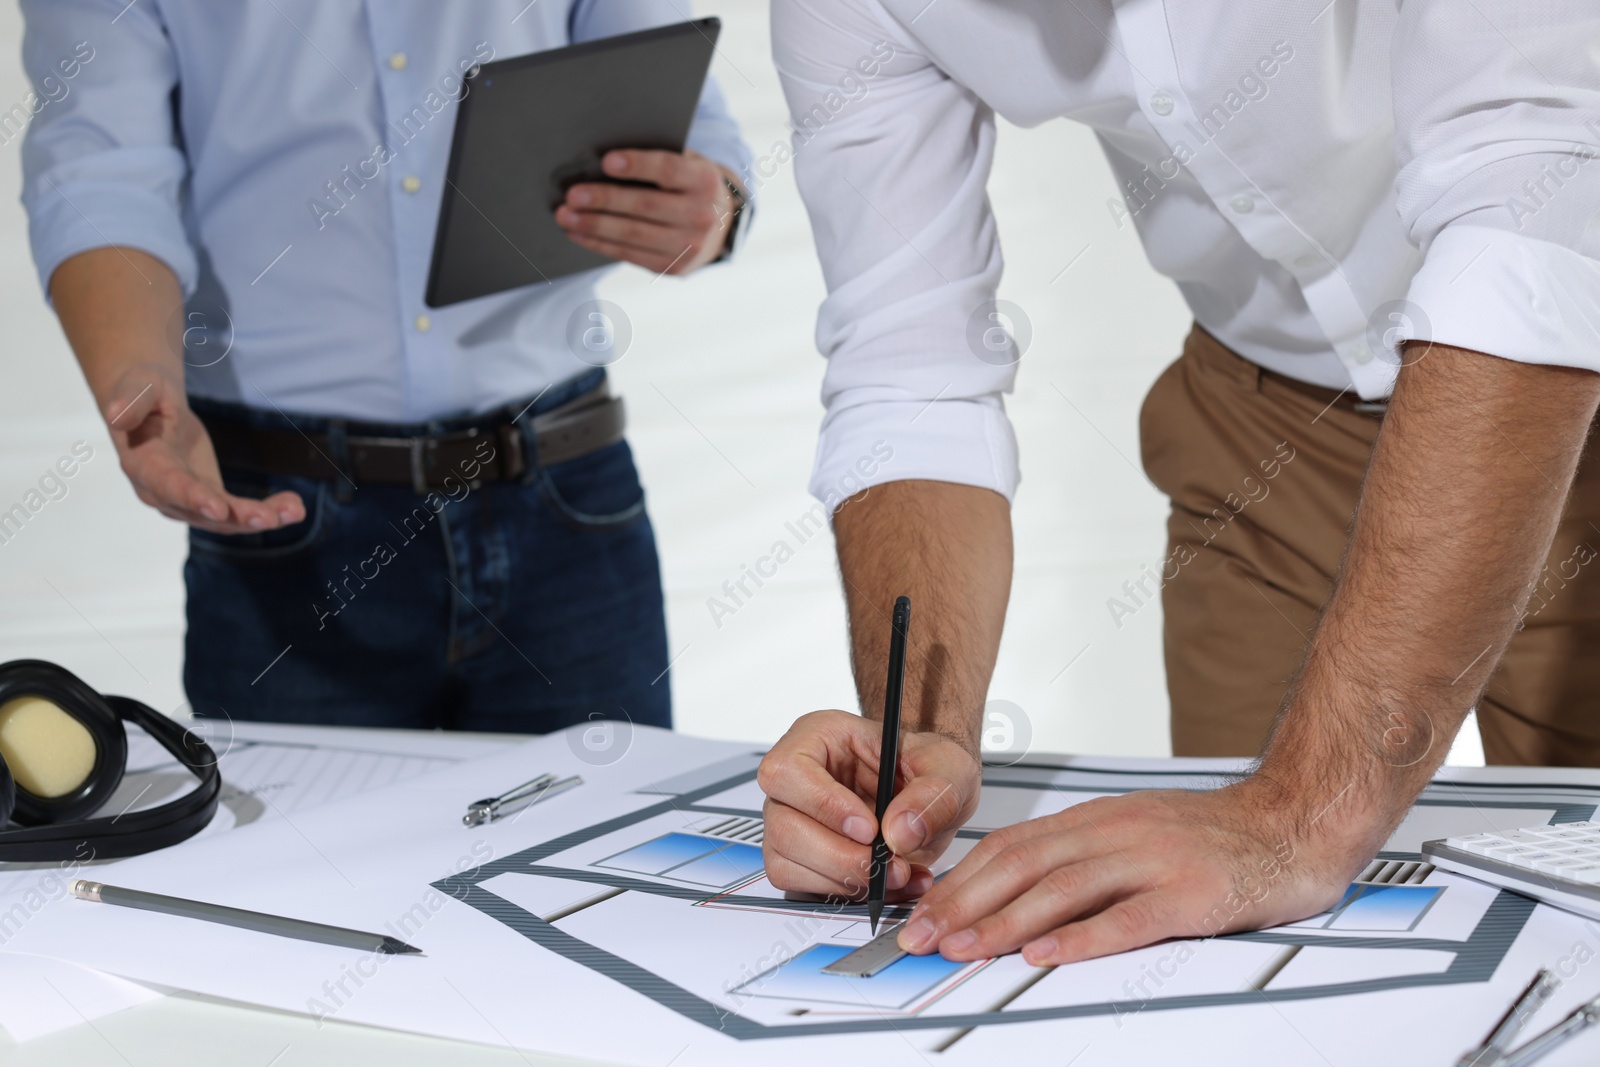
<point>1557,864</point>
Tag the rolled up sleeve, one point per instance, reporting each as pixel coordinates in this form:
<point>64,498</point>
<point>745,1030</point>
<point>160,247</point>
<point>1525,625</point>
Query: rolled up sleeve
<point>715,134</point>
<point>101,164</point>
<point>891,158</point>
<point>1497,110</point>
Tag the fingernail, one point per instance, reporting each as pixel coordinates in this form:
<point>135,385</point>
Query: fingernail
<point>859,829</point>
<point>909,832</point>
<point>581,197</point>
<point>959,941</point>
<point>896,877</point>
<point>256,522</point>
<point>1037,952</point>
<point>616,162</point>
<point>566,216</point>
<point>917,935</point>
<point>920,883</point>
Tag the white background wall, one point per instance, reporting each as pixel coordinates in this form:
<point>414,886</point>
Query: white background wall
<point>721,381</point>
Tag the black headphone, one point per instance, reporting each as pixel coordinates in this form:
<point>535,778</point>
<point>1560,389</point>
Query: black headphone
<point>63,751</point>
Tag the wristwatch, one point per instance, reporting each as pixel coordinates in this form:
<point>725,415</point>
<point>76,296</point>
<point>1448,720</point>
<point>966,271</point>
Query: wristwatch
<point>736,227</point>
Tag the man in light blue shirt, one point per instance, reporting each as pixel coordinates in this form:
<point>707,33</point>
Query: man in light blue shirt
<point>399,515</point>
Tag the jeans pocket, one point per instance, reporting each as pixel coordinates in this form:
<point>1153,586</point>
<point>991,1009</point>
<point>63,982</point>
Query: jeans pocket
<point>600,491</point>
<point>268,546</point>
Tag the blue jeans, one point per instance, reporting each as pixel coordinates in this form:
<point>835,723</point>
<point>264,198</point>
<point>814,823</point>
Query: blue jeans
<point>512,607</point>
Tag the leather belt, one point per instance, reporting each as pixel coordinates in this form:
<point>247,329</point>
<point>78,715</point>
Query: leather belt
<point>1322,394</point>
<point>583,425</point>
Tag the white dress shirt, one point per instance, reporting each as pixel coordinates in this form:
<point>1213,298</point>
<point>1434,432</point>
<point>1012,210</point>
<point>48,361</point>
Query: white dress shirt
<point>285,159</point>
<point>1322,180</point>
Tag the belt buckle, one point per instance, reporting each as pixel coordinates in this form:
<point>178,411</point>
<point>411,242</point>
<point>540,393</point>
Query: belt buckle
<point>419,471</point>
<point>512,456</point>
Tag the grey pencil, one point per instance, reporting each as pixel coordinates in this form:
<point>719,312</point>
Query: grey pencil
<point>244,920</point>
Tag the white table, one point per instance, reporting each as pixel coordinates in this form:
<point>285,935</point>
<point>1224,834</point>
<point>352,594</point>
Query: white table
<point>186,1028</point>
<point>183,1030</point>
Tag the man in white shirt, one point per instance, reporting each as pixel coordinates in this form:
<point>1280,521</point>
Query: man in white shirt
<point>1338,189</point>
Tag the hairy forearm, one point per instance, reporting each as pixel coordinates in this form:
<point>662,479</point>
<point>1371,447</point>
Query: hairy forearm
<point>1459,507</point>
<point>947,547</point>
<point>119,307</point>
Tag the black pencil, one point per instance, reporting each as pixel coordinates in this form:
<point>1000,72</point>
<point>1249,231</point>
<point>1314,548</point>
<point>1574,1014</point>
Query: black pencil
<point>889,754</point>
<point>244,920</point>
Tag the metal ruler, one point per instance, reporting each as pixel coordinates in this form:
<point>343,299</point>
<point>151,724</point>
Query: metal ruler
<point>870,958</point>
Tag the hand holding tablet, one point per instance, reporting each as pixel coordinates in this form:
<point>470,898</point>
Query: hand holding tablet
<point>604,121</point>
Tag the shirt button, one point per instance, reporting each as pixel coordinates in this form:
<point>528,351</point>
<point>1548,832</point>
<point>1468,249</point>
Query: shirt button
<point>424,324</point>
<point>1244,203</point>
<point>397,61</point>
<point>411,183</point>
<point>1161,102</point>
<point>1362,354</point>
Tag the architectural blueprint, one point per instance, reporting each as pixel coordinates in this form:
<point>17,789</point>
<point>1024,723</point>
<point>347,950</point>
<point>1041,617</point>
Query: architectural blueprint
<point>686,862</point>
<point>629,921</point>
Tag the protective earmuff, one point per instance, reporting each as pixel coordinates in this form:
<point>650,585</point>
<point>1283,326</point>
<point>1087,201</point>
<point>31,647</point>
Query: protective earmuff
<point>63,750</point>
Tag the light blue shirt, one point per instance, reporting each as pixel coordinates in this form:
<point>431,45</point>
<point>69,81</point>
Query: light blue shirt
<point>285,158</point>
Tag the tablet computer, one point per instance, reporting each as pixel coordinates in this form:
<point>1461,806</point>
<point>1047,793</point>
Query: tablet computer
<point>530,127</point>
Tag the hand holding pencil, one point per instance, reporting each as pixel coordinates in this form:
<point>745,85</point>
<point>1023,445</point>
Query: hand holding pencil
<point>821,781</point>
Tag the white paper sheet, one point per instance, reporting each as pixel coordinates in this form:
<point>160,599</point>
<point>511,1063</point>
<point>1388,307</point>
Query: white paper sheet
<point>663,946</point>
<point>269,771</point>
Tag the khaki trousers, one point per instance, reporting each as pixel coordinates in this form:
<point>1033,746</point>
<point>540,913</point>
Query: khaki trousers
<point>1263,473</point>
